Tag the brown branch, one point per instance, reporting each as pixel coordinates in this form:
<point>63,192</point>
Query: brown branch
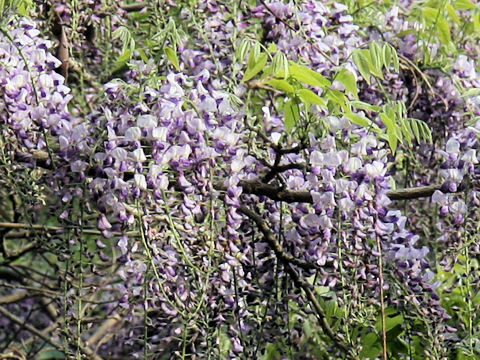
<point>414,193</point>
<point>103,330</point>
<point>12,298</point>
<point>256,187</point>
<point>278,169</point>
<point>273,243</point>
<point>288,260</point>
<point>40,334</point>
<point>59,229</point>
<point>29,328</point>
<point>133,7</point>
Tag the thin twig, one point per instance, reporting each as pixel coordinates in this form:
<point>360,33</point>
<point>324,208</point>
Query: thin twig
<point>382,300</point>
<point>56,228</point>
<point>288,261</point>
<point>270,238</point>
<point>30,328</point>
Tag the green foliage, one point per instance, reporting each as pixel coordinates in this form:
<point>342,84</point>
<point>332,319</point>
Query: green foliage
<point>371,61</point>
<point>21,7</point>
<point>291,78</point>
<point>402,129</point>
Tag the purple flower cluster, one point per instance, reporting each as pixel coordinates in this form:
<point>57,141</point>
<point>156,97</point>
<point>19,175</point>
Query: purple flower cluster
<point>34,96</point>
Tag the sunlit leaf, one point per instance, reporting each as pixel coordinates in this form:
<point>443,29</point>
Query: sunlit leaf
<point>172,56</point>
<point>281,85</point>
<point>310,97</point>
<point>292,114</point>
<point>392,139</point>
<point>308,76</point>
<point>471,92</point>
<point>348,80</point>
<point>362,64</point>
<point>122,60</point>
<point>464,5</point>
<point>364,106</point>
<point>254,55</point>
<point>256,68</point>
<point>444,30</point>
<point>359,120</point>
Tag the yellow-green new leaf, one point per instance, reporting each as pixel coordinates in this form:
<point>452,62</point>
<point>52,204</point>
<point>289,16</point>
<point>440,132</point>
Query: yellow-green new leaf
<point>308,96</point>
<point>388,121</point>
<point>376,55</point>
<point>256,68</point>
<point>348,80</point>
<point>254,54</point>
<point>281,85</point>
<point>387,55</point>
<point>464,5</point>
<point>308,76</point>
<point>172,56</point>
<point>392,139</point>
<point>292,114</point>
<point>364,106</point>
<point>444,30</point>
<point>359,120</point>
<point>362,64</point>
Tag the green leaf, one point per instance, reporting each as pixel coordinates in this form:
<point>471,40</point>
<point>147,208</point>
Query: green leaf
<point>392,139</point>
<point>272,48</point>
<point>280,65</point>
<point>281,85</point>
<point>476,22</point>
<point>387,120</point>
<point>271,352</point>
<point>387,55</point>
<point>292,114</point>
<point>225,343</point>
<point>444,30</point>
<point>364,106</point>
<point>425,130</point>
<point>390,322</point>
<point>464,5</point>
<point>172,56</point>
<point>123,33</point>
<point>308,76</point>
<point>359,120</point>
<point>405,128</point>
<point>122,60</point>
<point>242,50</point>
<point>338,98</point>
<point>429,14</point>
<point>376,55</point>
<point>373,63</point>
<point>471,92</point>
<point>415,130</point>
<point>395,61</point>
<point>348,80</point>
<point>362,64</point>
<point>452,13</point>
<point>50,354</point>
<point>308,96</point>
<point>371,346</point>
<point>254,55</point>
<point>256,68</point>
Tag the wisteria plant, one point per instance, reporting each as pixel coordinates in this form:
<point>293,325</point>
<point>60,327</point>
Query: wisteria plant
<point>228,179</point>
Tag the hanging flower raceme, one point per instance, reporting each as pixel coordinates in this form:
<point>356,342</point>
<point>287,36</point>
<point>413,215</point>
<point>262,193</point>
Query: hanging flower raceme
<point>34,96</point>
